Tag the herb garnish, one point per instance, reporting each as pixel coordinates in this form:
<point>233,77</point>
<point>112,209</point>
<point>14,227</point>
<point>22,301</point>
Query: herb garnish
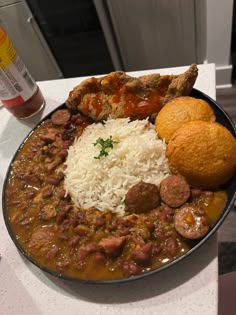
<point>105,144</point>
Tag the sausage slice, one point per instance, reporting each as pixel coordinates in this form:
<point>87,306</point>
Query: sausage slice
<point>60,117</point>
<point>112,245</point>
<point>191,222</point>
<point>174,191</point>
<point>41,241</point>
<point>142,197</point>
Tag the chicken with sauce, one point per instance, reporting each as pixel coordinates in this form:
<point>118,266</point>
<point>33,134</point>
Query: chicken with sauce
<point>119,95</point>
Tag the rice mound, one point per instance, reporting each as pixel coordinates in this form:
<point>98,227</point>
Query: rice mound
<point>103,183</point>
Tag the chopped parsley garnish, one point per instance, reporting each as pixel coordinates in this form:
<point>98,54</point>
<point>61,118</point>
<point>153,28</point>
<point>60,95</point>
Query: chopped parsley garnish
<point>105,144</point>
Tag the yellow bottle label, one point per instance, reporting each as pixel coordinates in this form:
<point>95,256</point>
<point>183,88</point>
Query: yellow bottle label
<point>16,83</point>
<point>7,51</point>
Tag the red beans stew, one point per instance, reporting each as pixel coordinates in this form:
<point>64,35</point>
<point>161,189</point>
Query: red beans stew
<point>87,243</point>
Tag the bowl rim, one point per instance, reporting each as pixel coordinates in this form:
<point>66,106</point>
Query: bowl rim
<point>59,275</point>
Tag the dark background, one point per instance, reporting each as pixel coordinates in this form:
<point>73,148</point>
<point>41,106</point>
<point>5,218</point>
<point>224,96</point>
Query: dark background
<point>73,32</point>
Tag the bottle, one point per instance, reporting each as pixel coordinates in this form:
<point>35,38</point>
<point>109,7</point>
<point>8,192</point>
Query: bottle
<point>19,92</point>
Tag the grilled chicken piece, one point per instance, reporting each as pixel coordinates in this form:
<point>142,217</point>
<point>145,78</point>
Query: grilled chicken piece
<point>119,95</point>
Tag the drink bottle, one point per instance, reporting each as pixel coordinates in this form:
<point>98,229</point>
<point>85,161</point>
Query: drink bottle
<point>19,92</point>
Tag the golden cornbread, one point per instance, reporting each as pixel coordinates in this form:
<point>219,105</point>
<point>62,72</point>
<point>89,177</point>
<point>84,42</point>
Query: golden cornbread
<point>179,111</point>
<point>204,153</point>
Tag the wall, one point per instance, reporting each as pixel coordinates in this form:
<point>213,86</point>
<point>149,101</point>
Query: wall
<point>219,16</point>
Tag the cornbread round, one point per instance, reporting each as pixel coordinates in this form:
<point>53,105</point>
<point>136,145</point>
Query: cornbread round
<point>179,111</point>
<point>204,153</point>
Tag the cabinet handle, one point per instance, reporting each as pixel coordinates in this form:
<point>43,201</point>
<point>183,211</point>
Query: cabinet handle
<point>29,20</point>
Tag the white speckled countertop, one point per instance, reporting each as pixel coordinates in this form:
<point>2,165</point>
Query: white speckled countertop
<point>189,287</point>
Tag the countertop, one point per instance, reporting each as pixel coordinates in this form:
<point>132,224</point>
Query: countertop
<point>189,287</point>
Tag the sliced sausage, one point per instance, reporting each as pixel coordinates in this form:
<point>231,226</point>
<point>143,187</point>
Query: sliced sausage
<point>41,241</point>
<point>174,191</point>
<point>142,255</point>
<point>50,135</point>
<point>142,198</point>
<point>112,245</point>
<point>87,249</point>
<point>191,222</point>
<point>60,117</point>
<point>47,212</point>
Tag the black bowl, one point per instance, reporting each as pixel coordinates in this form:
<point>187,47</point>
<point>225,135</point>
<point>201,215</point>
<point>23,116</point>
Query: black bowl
<point>221,117</point>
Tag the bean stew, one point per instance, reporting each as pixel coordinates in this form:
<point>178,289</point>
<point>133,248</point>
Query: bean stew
<point>88,244</point>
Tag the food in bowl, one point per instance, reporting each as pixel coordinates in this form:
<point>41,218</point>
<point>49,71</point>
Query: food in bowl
<point>179,111</point>
<point>119,95</point>
<point>97,201</point>
<point>204,153</point>
<point>100,181</point>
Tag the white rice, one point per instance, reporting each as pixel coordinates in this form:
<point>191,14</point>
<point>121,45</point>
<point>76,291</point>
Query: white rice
<point>103,183</point>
